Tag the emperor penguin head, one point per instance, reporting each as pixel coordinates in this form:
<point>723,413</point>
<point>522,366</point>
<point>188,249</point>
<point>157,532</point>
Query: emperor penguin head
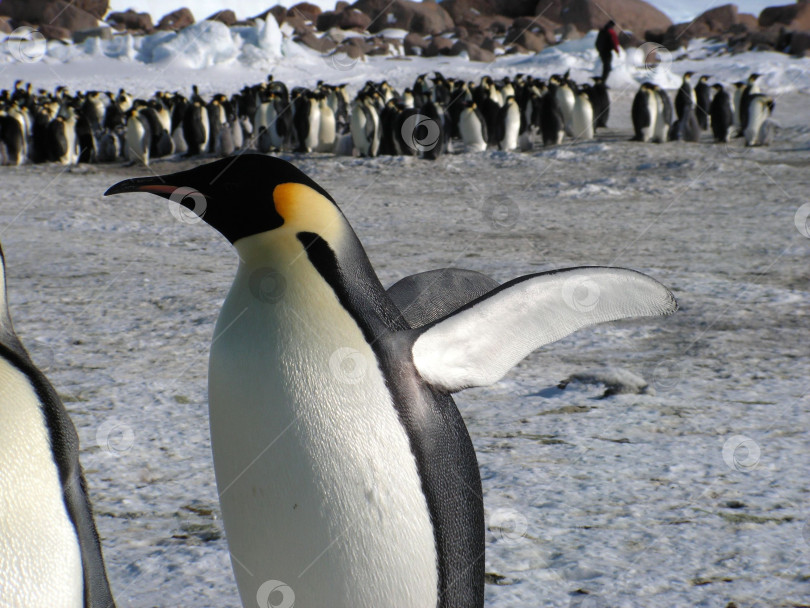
<point>252,194</point>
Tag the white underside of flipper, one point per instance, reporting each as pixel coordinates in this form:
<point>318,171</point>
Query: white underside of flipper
<point>318,486</point>
<point>40,562</point>
<point>480,344</point>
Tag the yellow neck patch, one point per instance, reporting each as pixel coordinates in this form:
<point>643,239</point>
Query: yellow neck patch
<point>306,210</point>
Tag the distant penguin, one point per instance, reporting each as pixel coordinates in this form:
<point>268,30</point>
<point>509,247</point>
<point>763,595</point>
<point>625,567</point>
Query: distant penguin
<point>645,113</point>
<point>434,139</point>
<point>750,89</point>
<point>582,116</point>
<point>86,140</point>
<point>600,100</point>
<point>758,126</point>
<point>12,138</point>
<point>721,114</point>
<point>216,121</point>
<point>509,124</point>
<point>327,131</point>
<point>473,129</point>
<point>565,101</point>
<point>365,127</point>
<point>307,121</point>
<point>736,105</point>
<point>109,147</point>
<point>138,138</point>
<point>176,125</point>
<point>50,553</point>
<point>195,128</point>
<point>388,125</point>
<point>62,140</point>
<point>686,128</point>
<point>552,121</point>
<point>343,465</point>
<point>663,121</point>
<point>685,97</point>
<point>703,99</point>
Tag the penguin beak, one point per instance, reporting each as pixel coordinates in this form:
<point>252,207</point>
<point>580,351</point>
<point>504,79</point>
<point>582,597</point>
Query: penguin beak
<point>153,185</point>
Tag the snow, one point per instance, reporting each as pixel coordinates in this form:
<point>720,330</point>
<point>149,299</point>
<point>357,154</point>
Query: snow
<point>692,493</point>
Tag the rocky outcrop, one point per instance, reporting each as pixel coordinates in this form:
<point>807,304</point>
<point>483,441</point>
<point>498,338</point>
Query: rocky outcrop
<point>420,17</point>
<point>176,20</point>
<point>636,16</point>
<point>137,23</point>
<point>226,16</point>
<point>346,19</point>
<point>306,10</point>
<point>795,17</point>
<point>55,17</point>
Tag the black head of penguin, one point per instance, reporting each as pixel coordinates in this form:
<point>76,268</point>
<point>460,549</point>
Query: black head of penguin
<point>239,196</point>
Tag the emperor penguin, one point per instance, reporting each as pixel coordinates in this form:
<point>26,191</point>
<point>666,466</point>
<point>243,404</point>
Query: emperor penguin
<point>721,114</point>
<point>600,100</point>
<point>736,105</point>
<point>552,121</point>
<point>758,125</point>
<point>685,97</point>
<point>509,122</point>
<point>663,120</point>
<point>196,128</point>
<point>751,88</point>
<point>703,99</point>
<point>582,116</point>
<point>345,471</point>
<point>138,137</point>
<point>327,130</point>
<point>50,554</point>
<point>473,129</point>
<point>565,100</point>
<point>365,126</point>
<point>645,113</point>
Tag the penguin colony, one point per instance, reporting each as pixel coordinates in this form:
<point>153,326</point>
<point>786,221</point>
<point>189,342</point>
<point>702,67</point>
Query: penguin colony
<point>434,116</point>
<point>744,113</point>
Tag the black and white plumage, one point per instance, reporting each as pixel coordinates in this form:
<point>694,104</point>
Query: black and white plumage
<point>721,114</point>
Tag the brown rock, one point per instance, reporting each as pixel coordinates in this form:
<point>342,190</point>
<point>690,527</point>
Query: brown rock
<point>629,40</point>
<point>300,25</point>
<point>749,21</point>
<point>510,8</point>
<point>437,45</point>
<point>346,19</point>
<point>176,20</point>
<point>415,44</point>
<point>278,12</point>
<point>550,9</point>
<point>72,16</point>
<point>54,32</point>
<point>527,39</point>
<point>104,33</point>
<point>379,46</point>
<point>475,52</point>
<point>5,25</point>
<point>226,16</point>
<point>342,5</point>
<point>310,39</point>
<point>538,25</point>
<point>353,47</point>
<point>719,19</point>
<point>131,21</point>
<point>306,10</point>
<point>778,15</point>
<point>420,17</point>
<point>490,44</point>
<point>634,15</point>
<point>570,32</point>
<point>496,25</point>
<point>800,44</point>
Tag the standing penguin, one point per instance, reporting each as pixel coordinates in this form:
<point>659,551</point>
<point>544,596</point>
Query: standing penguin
<point>50,554</point>
<point>343,466</point>
<point>645,113</point>
<point>721,114</point>
<point>750,89</point>
<point>138,138</point>
<point>552,121</point>
<point>365,126</point>
<point>600,101</point>
<point>473,129</point>
<point>582,116</point>
<point>509,124</point>
<point>685,97</point>
<point>195,128</point>
<point>758,126</point>
<point>663,121</point>
<point>703,100</point>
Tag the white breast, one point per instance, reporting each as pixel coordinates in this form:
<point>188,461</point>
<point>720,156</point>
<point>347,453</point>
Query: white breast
<point>40,563</point>
<point>318,486</point>
<point>470,127</point>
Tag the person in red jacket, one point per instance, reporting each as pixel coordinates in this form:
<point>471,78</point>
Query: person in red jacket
<point>607,41</point>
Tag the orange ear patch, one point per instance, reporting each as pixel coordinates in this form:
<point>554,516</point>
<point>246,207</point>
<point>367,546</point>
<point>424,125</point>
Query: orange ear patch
<point>304,209</point>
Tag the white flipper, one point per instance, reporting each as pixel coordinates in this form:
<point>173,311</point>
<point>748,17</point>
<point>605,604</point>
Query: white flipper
<point>478,344</point>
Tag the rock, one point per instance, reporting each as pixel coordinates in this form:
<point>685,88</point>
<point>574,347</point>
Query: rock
<point>570,32</point>
<point>509,8</point>
<point>550,9</point>
<point>538,26</point>
<point>719,20</point>
<point>354,48</point>
<point>749,21</point>
<point>527,39</point>
<point>475,52</point>
<point>5,26</point>
<point>634,15</point>
<point>306,10</point>
<point>132,21</point>
<point>226,16</point>
<point>54,32</point>
<point>347,19</point>
<point>300,25</point>
<point>778,15</point>
<point>104,32</point>
<point>71,16</point>
<point>278,12</point>
<point>419,17</point>
<point>176,20</point>
<point>438,45</point>
<point>415,44</point>
<point>629,40</point>
<point>323,44</point>
<point>496,25</point>
<point>490,44</point>
<point>800,44</point>
<point>379,46</point>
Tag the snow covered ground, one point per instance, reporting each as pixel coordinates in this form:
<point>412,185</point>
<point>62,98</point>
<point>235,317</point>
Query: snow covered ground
<point>693,493</point>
